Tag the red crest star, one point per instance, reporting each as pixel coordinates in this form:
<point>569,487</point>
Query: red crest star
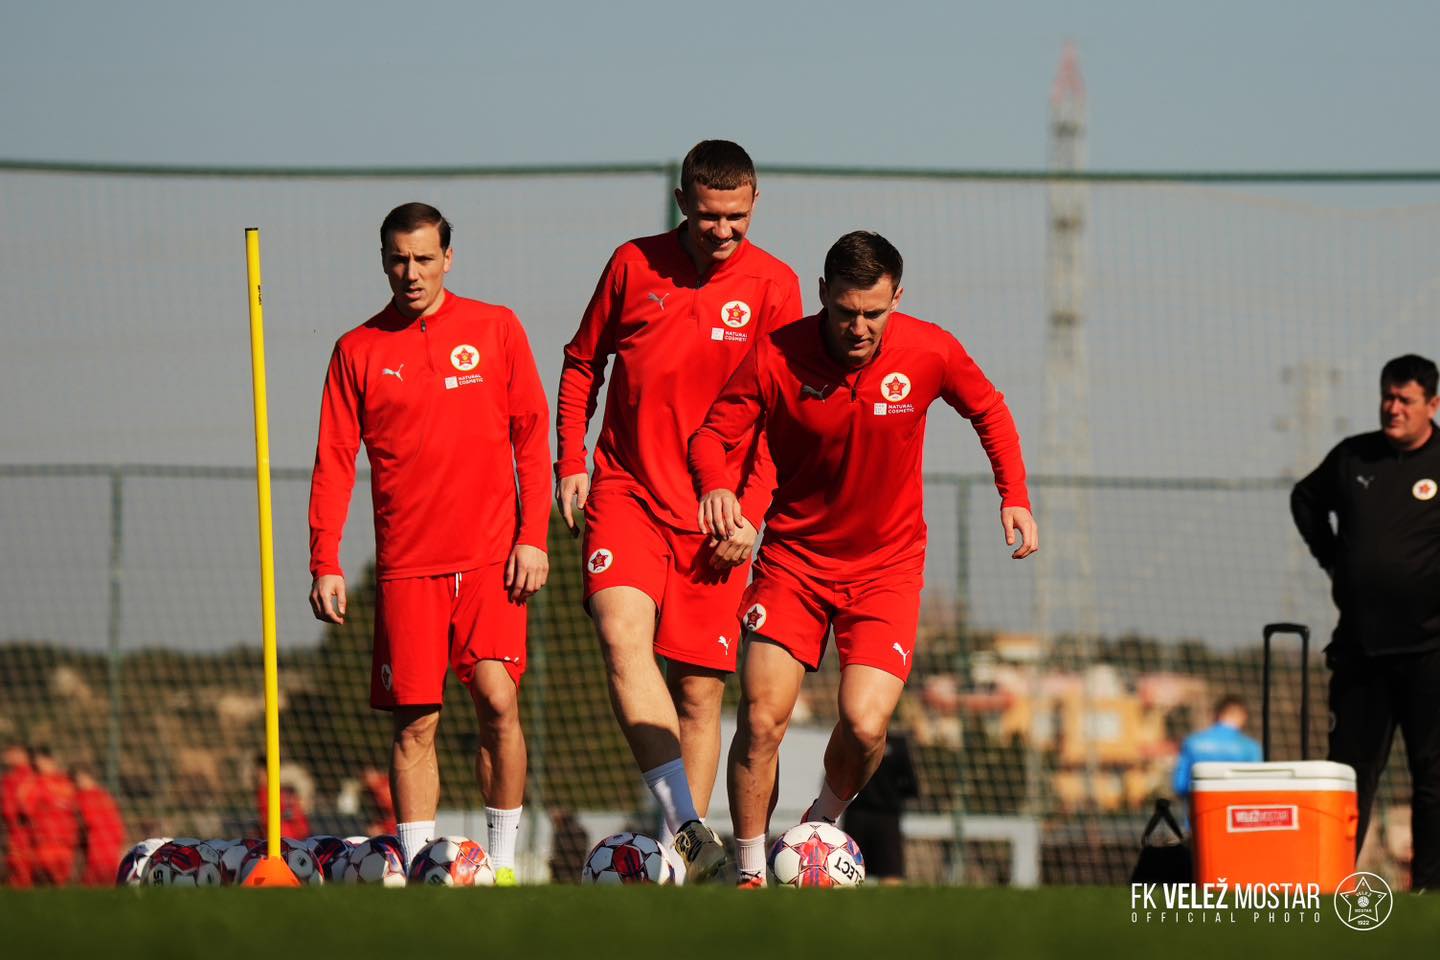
<point>895,388</point>
<point>752,618</point>
<point>599,562</point>
<point>464,358</point>
<point>737,313</point>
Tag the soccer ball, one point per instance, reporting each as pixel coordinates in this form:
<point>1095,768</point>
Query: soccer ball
<point>186,862</point>
<point>296,857</point>
<point>132,865</point>
<point>627,858</point>
<point>376,860</point>
<point>452,862</point>
<point>331,857</point>
<point>232,858</point>
<point>817,854</point>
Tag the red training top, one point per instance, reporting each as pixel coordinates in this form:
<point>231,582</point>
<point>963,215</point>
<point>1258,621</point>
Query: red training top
<point>104,835</point>
<point>677,336</point>
<point>53,820</point>
<point>848,444</point>
<point>439,403</point>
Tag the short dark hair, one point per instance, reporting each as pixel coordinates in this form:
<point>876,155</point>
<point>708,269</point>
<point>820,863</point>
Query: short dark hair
<point>1402,370</point>
<point>1227,702</point>
<point>412,216</point>
<point>861,258</point>
<point>717,165</point>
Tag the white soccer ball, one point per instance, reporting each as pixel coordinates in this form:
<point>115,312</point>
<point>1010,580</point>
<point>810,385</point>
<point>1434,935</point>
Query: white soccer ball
<point>377,860</point>
<point>185,862</point>
<point>331,855</point>
<point>817,854</point>
<point>627,858</point>
<point>232,858</point>
<point>296,857</point>
<point>452,862</point>
<point>133,864</point>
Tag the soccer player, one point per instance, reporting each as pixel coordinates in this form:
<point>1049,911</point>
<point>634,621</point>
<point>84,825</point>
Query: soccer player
<point>1383,559</point>
<point>677,311</point>
<point>842,398</point>
<point>444,394</point>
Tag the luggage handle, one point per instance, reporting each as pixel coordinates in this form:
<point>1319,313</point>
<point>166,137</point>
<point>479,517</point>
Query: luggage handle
<point>1303,632</point>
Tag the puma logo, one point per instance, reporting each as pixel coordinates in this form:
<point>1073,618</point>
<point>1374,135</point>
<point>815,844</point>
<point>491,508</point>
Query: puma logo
<point>808,391</point>
<point>1365,481</point>
<point>724,642</point>
<point>660,300</point>
<point>904,654</point>
<point>387,372</point>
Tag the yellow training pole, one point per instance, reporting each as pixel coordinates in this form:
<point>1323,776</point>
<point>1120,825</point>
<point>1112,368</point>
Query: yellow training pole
<point>272,871</point>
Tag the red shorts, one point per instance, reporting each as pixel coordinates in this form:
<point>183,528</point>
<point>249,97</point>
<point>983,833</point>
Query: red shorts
<point>875,620</point>
<point>627,546</point>
<point>424,624</point>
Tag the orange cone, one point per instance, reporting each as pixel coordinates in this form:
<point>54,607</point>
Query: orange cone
<point>271,872</point>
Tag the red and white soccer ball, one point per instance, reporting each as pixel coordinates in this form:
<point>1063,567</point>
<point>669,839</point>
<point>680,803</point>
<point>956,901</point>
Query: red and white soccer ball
<point>232,858</point>
<point>378,860</point>
<point>133,864</point>
<point>332,855</point>
<point>627,858</point>
<point>452,862</point>
<point>817,854</point>
<point>184,862</point>
<point>296,857</point>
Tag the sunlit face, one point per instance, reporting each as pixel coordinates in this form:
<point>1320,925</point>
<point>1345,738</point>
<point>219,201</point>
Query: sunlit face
<point>416,266</point>
<point>1405,414</point>
<point>855,318</point>
<point>715,222</point>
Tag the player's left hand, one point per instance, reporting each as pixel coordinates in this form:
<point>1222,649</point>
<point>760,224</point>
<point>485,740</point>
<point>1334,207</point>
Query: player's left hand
<point>526,572</point>
<point>1017,520</point>
<point>737,550</point>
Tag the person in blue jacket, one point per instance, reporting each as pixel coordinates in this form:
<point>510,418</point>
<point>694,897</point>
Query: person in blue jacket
<point>1223,741</point>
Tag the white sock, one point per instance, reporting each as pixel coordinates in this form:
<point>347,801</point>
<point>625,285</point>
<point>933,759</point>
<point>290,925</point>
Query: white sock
<point>828,806</point>
<point>502,827</point>
<point>413,836</point>
<point>752,856</point>
<point>672,790</point>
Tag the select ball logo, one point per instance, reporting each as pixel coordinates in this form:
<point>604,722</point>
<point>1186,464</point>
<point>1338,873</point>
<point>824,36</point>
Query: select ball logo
<point>754,618</point>
<point>465,358</point>
<point>735,314</point>
<point>600,561</point>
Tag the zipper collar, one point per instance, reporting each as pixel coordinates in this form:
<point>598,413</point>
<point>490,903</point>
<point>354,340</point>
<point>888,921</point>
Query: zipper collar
<point>723,268</point>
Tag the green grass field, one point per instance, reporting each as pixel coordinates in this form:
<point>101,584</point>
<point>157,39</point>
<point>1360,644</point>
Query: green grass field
<point>350,922</point>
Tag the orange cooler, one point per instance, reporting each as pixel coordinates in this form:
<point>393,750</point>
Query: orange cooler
<point>1274,822</point>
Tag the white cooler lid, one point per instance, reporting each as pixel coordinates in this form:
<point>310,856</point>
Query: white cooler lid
<point>1290,775</point>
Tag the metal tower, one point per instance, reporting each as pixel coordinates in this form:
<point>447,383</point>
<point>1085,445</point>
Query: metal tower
<point>1065,590</point>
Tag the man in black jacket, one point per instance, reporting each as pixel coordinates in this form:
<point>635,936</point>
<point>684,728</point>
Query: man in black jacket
<point>1383,559</point>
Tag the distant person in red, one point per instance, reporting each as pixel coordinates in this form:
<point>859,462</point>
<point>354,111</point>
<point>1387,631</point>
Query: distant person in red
<point>54,822</point>
<point>377,784</point>
<point>103,829</point>
<point>293,821</point>
<point>14,800</point>
<point>842,398</point>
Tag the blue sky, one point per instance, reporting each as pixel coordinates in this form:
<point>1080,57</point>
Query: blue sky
<point>1229,85</point>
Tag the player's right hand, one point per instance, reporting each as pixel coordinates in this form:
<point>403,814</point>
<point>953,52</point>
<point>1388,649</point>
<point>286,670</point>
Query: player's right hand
<point>719,515</point>
<point>327,598</point>
<point>572,490</point>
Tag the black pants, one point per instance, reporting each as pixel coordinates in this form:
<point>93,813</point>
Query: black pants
<point>881,843</point>
<point>1369,698</point>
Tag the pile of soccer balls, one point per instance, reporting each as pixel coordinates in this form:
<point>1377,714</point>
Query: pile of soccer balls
<point>817,854</point>
<point>187,862</point>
